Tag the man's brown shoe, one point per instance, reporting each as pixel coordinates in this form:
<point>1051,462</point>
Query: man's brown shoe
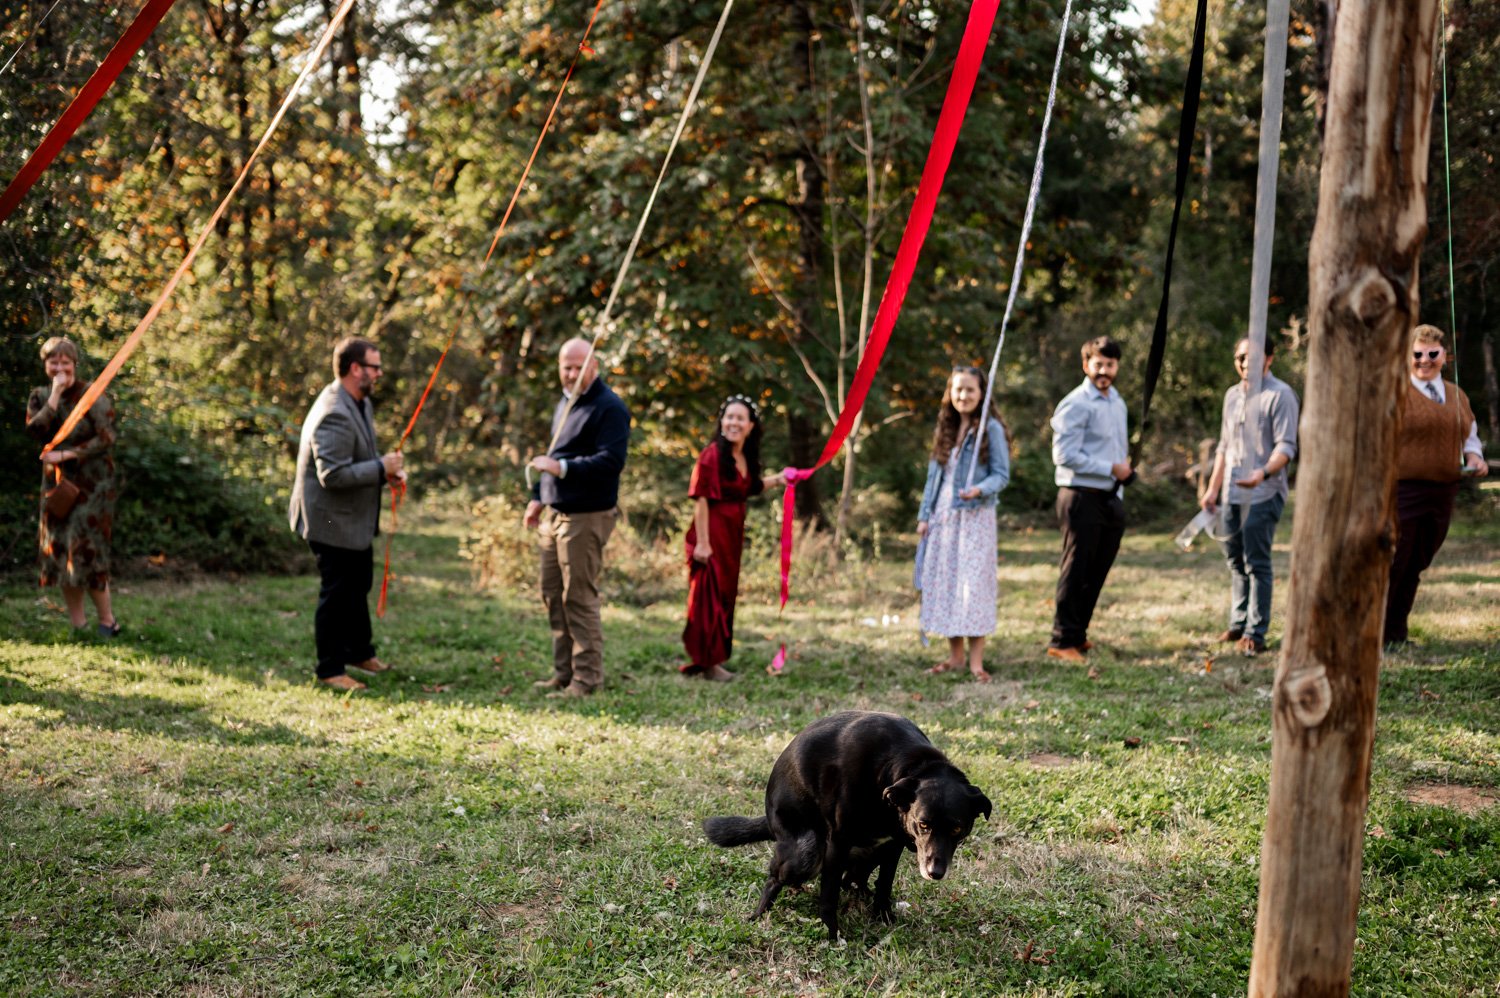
<point>342,682</point>
<point>370,664</point>
<point>549,684</point>
<point>1249,646</point>
<point>1066,654</point>
<point>1230,636</point>
<point>1087,646</point>
<point>569,692</point>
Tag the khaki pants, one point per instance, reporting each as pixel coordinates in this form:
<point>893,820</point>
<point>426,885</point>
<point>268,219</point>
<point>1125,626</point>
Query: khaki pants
<point>571,546</point>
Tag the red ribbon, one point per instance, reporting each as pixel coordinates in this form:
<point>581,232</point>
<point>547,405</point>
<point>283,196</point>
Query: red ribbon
<point>83,102</point>
<point>398,489</point>
<point>939,155</point>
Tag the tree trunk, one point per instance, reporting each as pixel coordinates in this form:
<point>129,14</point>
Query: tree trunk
<point>808,212</point>
<point>1491,383</point>
<point>1372,217</point>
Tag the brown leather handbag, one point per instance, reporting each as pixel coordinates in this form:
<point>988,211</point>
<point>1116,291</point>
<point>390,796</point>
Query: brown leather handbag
<point>61,498</point>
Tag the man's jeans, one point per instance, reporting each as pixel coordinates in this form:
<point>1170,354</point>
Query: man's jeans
<point>1248,553</point>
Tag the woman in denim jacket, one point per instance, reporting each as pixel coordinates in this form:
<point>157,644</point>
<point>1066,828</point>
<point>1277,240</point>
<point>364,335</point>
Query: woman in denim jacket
<point>956,524</point>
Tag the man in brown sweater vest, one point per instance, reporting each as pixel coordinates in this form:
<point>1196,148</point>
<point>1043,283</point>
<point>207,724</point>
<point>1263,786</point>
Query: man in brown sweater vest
<point>1437,445</point>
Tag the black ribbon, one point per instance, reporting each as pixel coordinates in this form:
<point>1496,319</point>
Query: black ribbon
<point>1185,131</point>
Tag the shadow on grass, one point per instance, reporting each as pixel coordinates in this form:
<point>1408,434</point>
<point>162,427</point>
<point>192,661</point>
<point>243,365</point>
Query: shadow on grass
<point>145,715</point>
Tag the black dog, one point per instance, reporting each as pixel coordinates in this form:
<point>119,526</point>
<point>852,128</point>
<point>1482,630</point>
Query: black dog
<point>846,796</point>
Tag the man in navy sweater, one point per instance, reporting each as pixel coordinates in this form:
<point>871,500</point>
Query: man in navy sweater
<point>574,503</point>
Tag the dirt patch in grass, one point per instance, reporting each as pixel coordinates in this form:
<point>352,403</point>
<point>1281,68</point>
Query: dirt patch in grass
<point>1050,760</point>
<point>167,930</point>
<point>1467,801</point>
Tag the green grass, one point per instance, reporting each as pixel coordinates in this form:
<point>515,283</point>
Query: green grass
<point>186,813</point>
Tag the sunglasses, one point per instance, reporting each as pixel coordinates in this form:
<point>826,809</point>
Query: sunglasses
<point>1431,354</point>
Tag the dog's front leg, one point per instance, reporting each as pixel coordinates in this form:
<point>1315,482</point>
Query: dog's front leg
<point>767,895</point>
<point>828,894</point>
<point>889,859</point>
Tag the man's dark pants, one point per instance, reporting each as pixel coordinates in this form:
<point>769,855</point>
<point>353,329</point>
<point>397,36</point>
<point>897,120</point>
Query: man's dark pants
<point>1248,552</point>
<point>1423,510</point>
<point>342,623</point>
<point>1092,522</point>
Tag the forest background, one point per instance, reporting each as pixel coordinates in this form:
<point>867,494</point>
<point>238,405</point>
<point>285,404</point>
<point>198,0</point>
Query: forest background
<point>759,271</point>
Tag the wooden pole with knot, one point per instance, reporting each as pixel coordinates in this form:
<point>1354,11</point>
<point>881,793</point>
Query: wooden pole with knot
<point>1372,217</point>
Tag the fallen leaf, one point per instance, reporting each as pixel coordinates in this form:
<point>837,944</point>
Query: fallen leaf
<point>917,698</point>
<point>226,828</point>
<point>505,691</point>
<point>287,614</point>
<point>1032,705</point>
<point>157,559</point>
<point>1133,741</point>
<point>1029,954</point>
<point>1378,832</point>
<point>670,883</point>
<point>437,687</point>
<point>1180,741</point>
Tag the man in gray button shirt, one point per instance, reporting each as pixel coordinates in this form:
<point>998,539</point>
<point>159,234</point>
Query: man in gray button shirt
<point>1256,494</point>
<point>1092,454</point>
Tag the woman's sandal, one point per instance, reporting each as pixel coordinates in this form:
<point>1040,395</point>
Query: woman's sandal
<point>110,630</point>
<point>980,675</point>
<point>942,667</point>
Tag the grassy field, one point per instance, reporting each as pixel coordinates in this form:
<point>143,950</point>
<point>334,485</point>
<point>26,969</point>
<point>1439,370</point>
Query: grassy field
<point>186,813</point>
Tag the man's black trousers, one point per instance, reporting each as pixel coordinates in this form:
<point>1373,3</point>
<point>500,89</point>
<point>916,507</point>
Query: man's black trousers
<point>342,624</point>
<point>1092,522</point>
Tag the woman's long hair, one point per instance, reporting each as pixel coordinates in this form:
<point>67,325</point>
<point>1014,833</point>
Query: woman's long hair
<point>945,436</point>
<point>751,446</point>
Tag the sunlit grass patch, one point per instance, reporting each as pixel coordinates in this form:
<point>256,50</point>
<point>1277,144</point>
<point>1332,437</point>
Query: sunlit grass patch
<point>188,813</point>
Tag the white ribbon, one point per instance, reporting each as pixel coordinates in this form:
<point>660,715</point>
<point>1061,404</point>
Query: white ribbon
<point>1015,278</point>
<point>602,324</point>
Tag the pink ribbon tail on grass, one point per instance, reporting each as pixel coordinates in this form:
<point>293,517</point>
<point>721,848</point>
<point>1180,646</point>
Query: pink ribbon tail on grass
<point>788,522</point>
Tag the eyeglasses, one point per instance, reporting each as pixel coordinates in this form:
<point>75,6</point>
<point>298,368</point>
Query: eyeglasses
<point>1431,354</point>
<point>372,367</point>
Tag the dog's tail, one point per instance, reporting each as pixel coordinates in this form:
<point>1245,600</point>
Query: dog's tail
<point>736,831</point>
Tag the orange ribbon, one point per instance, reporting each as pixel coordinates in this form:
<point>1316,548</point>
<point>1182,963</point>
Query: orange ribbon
<point>91,395</point>
<point>398,489</point>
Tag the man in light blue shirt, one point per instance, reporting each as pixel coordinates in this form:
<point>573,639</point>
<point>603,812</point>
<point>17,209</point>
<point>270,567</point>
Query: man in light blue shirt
<point>1254,460</point>
<point>1092,454</point>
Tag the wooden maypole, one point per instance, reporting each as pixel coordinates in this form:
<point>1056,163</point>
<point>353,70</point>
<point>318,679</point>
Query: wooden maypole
<point>1372,217</point>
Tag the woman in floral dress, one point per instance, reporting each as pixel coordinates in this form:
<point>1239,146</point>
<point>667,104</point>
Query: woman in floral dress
<point>74,547</point>
<point>956,523</point>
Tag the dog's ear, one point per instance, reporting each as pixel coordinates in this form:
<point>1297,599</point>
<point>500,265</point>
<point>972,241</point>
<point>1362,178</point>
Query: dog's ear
<point>901,793</point>
<point>979,802</point>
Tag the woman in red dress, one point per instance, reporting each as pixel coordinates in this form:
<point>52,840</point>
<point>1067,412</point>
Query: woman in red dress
<point>726,475</point>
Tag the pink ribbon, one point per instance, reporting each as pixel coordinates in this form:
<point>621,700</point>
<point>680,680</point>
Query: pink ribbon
<point>939,155</point>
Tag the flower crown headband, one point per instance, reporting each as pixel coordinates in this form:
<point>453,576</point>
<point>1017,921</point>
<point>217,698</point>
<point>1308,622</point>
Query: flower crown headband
<point>743,400</point>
